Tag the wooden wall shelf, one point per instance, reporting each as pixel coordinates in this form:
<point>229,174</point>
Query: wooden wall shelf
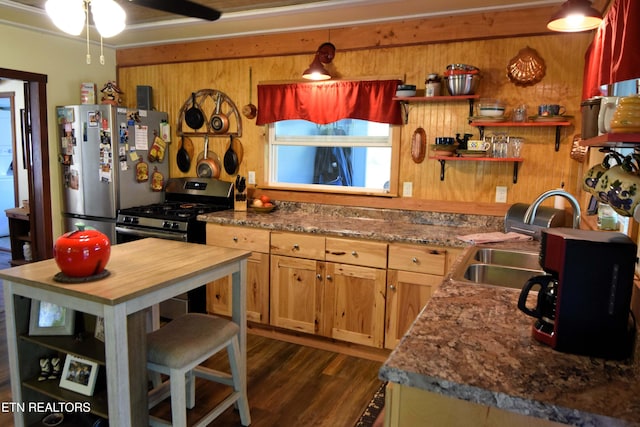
<point>613,140</point>
<point>406,100</point>
<point>443,159</point>
<point>482,124</point>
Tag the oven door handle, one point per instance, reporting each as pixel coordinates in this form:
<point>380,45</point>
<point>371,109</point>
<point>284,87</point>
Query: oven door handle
<point>150,233</point>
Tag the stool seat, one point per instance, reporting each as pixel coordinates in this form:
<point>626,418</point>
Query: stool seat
<point>188,338</point>
<point>178,350</point>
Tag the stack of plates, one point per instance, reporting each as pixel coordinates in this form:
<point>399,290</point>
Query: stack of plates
<point>472,153</point>
<point>549,118</point>
<point>443,150</point>
<point>488,119</point>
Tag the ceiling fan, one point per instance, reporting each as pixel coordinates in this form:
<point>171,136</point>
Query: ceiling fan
<point>183,7</point>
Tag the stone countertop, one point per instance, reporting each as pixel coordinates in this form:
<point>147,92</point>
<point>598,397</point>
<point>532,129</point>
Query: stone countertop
<point>471,342</point>
<point>367,223</point>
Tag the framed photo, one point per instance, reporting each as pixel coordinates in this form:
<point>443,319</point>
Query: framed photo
<point>79,375</point>
<point>50,319</point>
<point>99,332</point>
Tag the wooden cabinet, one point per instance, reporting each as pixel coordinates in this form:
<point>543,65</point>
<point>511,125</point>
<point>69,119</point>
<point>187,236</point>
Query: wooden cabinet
<point>297,300</point>
<point>355,303</point>
<point>409,406</point>
<point>342,300</point>
<point>415,271</point>
<point>353,290</point>
<point>407,294</point>
<point>219,299</point>
<point>19,234</point>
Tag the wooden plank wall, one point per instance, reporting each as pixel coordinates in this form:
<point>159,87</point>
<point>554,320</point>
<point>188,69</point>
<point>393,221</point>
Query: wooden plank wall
<point>468,186</point>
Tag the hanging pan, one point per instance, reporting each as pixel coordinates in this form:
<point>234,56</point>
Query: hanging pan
<point>231,159</point>
<point>182,158</point>
<point>250,111</point>
<point>193,116</point>
<point>208,163</point>
<point>219,121</point>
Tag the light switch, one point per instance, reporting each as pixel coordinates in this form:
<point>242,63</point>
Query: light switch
<point>251,177</point>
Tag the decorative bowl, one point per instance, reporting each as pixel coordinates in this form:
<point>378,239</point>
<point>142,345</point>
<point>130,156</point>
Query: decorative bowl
<point>82,253</point>
<point>406,90</point>
<point>263,209</point>
<point>490,108</point>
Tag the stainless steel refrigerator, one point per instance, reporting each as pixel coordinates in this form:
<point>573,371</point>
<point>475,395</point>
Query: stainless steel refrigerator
<point>111,158</point>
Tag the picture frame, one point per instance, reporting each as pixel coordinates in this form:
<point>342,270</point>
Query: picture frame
<point>79,375</point>
<point>50,319</point>
<point>99,331</point>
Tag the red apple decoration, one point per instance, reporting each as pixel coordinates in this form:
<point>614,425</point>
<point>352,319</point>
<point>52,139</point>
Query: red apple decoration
<point>82,253</point>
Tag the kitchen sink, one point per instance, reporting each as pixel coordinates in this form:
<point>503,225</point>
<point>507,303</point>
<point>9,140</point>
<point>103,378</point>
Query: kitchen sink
<point>519,259</point>
<point>498,267</point>
<point>497,275</point>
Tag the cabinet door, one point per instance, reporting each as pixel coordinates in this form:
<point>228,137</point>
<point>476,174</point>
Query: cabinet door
<point>296,293</point>
<point>407,294</point>
<point>219,299</point>
<point>355,300</point>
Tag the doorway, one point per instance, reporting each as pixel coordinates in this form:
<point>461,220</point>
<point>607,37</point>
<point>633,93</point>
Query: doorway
<point>35,140</point>
<point>8,184</point>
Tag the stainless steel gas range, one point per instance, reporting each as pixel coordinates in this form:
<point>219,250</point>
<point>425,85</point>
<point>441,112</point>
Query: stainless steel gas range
<point>176,219</point>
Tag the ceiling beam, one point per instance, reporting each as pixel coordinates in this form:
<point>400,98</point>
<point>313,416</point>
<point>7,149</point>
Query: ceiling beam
<point>514,23</point>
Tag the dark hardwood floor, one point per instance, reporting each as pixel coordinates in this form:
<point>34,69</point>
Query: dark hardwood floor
<point>288,384</point>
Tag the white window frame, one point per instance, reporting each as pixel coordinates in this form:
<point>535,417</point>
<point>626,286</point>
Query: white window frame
<point>392,141</point>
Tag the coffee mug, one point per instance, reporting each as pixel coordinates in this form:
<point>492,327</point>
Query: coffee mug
<point>546,110</point>
<point>478,145</point>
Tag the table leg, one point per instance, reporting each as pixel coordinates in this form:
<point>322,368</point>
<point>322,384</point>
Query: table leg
<point>239,315</point>
<point>126,353</point>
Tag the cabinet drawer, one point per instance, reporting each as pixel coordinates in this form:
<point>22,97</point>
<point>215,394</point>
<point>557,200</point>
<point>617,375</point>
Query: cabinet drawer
<point>250,239</point>
<point>421,259</point>
<point>358,252</point>
<point>297,245</point>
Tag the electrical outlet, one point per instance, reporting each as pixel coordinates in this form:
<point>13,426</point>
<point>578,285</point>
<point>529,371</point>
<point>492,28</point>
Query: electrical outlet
<point>251,178</point>
<point>501,194</point>
<point>407,189</point>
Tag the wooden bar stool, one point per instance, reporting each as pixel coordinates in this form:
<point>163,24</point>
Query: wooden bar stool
<point>178,348</point>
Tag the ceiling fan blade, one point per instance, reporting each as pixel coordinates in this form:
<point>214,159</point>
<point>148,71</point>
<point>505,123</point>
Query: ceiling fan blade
<point>181,7</point>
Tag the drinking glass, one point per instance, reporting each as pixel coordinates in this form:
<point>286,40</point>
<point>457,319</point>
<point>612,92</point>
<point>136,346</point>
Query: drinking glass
<point>516,145</point>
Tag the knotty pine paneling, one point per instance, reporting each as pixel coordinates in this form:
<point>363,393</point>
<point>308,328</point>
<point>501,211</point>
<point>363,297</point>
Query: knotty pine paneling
<point>472,182</point>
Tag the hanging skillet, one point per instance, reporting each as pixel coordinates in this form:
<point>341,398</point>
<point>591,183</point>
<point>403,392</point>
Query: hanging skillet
<point>230,159</point>
<point>183,159</point>
<point>219,121</point>
<point>193,116</point>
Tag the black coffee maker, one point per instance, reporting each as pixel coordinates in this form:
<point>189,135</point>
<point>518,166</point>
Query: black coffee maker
<point>583,305</point>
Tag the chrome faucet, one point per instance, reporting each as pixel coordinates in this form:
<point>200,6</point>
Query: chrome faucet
<point>530,214</point>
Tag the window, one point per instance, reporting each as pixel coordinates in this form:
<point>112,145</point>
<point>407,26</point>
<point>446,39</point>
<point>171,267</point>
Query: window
<point>349,155</point>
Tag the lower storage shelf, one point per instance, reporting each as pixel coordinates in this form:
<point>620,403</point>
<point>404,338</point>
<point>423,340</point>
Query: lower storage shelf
<point>96,404</point>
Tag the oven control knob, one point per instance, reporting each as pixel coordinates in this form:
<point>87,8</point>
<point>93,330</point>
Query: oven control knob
<point>175,226</point>
<point>166,224</point>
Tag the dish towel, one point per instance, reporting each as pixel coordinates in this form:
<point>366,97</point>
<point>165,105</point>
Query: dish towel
<point>493,237</point>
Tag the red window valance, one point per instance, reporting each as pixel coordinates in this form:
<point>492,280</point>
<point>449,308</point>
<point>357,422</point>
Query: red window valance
<point>328,102</point>
<point>614,56</point>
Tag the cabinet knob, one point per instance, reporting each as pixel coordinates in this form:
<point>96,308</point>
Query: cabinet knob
<point>296,247</point>
<point>414,260</point>
<point>235,239</point>
<point>329,277</point>
<point>319,276</point>
<point>354,253</point>
<point>392,287</point>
